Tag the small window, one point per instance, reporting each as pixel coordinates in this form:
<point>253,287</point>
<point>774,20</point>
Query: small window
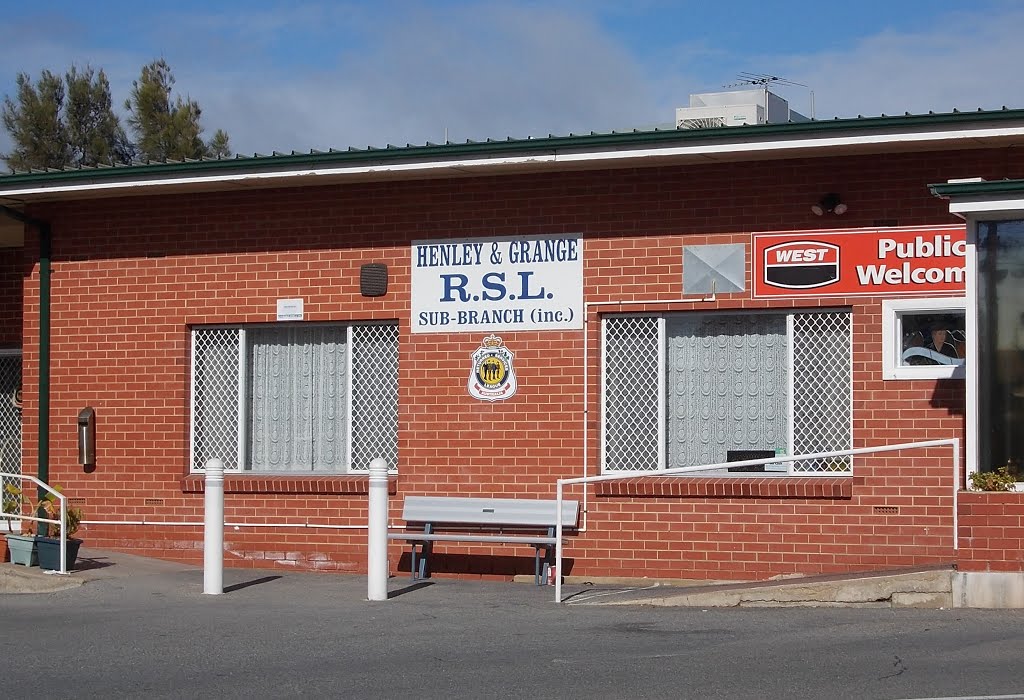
<point>923,338</point>
<point>10,429</point>
<point>691,388</point>
<point>295,398</point>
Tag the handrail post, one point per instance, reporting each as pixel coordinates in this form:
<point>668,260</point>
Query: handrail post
<point>63,533</point>
<point>377,532</point>
<point>213,529</point>
<point>558,541</point>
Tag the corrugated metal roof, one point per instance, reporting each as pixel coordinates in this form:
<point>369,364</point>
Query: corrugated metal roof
<point>507,146</point>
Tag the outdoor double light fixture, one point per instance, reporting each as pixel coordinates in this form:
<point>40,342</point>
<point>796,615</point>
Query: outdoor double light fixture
<point>829,204</point>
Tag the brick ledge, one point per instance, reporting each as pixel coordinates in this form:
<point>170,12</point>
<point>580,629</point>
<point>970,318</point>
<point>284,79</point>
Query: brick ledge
<point>328,485</point>
<point>725,487</point>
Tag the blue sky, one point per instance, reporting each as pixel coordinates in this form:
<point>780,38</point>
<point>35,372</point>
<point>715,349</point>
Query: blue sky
<point>293,75</point>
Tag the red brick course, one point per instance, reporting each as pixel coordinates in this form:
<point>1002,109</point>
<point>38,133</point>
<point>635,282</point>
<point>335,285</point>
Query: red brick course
<point>991,530</point>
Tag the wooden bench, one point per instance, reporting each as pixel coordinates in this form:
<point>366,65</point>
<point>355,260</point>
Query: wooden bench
<point>497,520</point>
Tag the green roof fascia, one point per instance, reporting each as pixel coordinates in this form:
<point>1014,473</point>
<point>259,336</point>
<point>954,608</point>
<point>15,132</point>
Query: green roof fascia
<point>982,188</point>
<point>510,146</point>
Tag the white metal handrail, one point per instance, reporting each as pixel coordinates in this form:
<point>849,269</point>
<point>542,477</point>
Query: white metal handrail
<point>953,443</point>
<point>63,515</point>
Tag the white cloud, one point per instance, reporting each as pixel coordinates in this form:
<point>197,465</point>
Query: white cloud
<point>483,70</point>
<point>967,61</point>
<point>499,72</point>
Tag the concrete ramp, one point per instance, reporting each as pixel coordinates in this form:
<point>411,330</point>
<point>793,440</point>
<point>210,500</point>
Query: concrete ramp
<point>22,579</point>
<point>932,588</point>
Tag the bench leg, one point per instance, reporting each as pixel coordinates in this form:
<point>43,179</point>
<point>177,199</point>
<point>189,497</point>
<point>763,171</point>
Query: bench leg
<point>541,567</point>
<point>425,559</point>
<point>423,570</point>
<point>537,572</point>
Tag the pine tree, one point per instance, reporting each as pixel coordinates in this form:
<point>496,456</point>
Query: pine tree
<point>36,124</point>
<point>94,132</point>
<point>58,122</point>
<point>166,129</point>
<point>218,147</point>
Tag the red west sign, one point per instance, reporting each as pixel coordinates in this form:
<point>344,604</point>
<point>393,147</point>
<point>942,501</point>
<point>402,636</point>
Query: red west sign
<point>860,262</point>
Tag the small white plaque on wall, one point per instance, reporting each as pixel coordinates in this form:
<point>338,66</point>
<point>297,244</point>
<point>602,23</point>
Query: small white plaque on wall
<point>289,310</point>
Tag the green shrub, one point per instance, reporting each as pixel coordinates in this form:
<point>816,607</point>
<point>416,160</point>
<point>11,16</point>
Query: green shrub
<point>999,480</point>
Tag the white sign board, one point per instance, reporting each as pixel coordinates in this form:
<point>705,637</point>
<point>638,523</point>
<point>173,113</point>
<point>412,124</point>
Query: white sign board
<point>489,284</point>
<point>289,309</point>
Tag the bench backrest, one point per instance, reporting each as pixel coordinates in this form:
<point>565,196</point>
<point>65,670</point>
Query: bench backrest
<point>487,511</point>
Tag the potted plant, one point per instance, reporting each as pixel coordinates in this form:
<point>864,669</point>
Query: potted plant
<point>22,546</point>
<point>11,501</point>
<point>48,548</point>
<point>999,480</point>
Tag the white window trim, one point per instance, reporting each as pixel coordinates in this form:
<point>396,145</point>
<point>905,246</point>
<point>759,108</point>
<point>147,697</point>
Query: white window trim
<point>350,363</point>
<point>662,393</point>
<point>892,338</point>
<point>790,384</point>
<point>789,315</point>
<point>242,379</point>
<point>243,391</point>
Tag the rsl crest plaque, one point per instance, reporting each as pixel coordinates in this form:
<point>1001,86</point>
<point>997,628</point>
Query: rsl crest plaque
<point>492,377</point>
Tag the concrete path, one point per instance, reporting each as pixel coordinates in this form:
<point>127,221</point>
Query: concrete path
<point>929,588</point>
<point>92,565</point>
<point>139,628</point>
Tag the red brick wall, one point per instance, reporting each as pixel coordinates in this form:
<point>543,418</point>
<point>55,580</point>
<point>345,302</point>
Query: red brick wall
<point>991,531</point>
<point>131,274</point>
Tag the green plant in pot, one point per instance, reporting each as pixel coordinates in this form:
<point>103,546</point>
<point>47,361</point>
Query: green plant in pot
<point>11,502</point>
<point>48,547</point>
<point>20,545</point>
<point>999,480</point>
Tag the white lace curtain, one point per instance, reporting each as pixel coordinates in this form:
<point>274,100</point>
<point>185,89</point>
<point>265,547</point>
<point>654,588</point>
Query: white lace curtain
<point>726,385</point>
<point>298,401</point>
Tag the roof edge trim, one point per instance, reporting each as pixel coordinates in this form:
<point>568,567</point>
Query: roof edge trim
<point>517,147</point>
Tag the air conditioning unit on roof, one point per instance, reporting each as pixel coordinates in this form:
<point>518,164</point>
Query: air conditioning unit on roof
<point>735,108</point>
<point>700,122</point>
<point>719,115</point>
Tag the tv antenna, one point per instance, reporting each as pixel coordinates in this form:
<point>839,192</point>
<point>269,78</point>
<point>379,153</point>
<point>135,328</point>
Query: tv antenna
<point>764,80</point>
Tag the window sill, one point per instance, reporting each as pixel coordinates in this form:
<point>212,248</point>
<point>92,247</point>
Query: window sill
<point>340,484</point>
<point>922,372</point>
<point>818,487</point>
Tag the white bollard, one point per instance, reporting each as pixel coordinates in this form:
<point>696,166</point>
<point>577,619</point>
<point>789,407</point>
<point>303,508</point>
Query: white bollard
<point>213,529</point>
<point>377,533</point>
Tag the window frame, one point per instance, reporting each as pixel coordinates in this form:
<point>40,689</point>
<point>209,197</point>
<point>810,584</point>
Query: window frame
<point>15,524</point>
<point>893,311</point>
<point>244,403</point>
<point>662,359</point>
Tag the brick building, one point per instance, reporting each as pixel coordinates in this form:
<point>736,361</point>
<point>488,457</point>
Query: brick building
<point>659,299</point>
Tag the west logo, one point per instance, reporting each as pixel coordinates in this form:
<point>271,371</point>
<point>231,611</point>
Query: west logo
<point>801,264</point>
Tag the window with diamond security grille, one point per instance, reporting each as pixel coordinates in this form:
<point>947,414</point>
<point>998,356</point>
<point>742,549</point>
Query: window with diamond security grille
<point>10,421</point>
<point>295,398</point>
<point>686,389</point>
